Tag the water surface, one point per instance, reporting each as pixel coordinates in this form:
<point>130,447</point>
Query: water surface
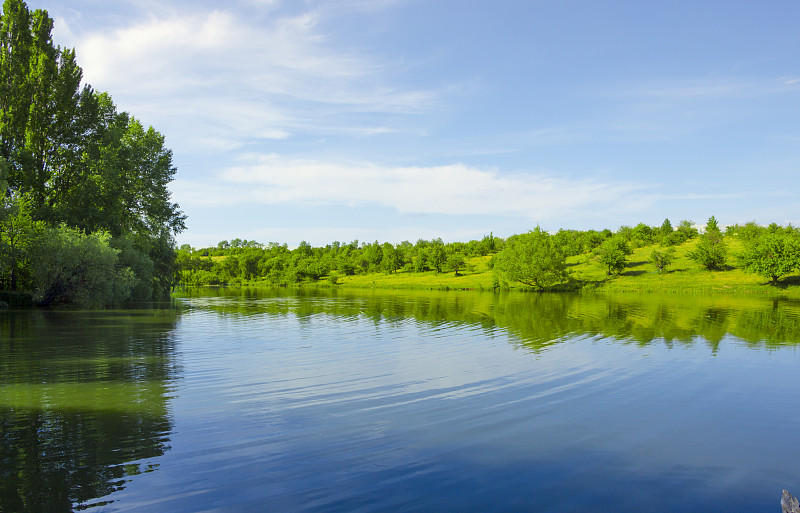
<point>413,401</point>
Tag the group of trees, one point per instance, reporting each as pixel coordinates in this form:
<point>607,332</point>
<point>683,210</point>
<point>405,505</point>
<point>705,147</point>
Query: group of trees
<point>536,259</point>
<point>237,260</point>
<point>85,213</point>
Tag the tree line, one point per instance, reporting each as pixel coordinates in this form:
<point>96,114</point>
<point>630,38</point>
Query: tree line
<point>85,213</point>
<point>242,260</point>
<point>536,259</point>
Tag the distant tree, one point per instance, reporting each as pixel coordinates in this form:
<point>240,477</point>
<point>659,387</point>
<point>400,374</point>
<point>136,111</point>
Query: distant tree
<point>372,256</point>
<point>533,259</point>
<point>613,253</point>
<point>773,255</point>
<point>710,252</point>
<point>687,229</point>
<point>421,261</point>
<point>626,232</point>
<point>249,263</point>
<point>304,249</point>
<point>487,245</point>
<point>456,261</point>
<point>391,260</point>
<point>642,234</point>
<point>570,241</point>
<point>593,239</point>
<point>438,256</point>
<point>666,228</point>
<point>662,259</point>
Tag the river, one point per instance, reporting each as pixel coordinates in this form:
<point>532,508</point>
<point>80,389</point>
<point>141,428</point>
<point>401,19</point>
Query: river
<point>361,401</point>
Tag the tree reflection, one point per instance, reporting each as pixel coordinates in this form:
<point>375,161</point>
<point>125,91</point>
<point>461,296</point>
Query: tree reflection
<point>539,319</point>
<point>83,402</point>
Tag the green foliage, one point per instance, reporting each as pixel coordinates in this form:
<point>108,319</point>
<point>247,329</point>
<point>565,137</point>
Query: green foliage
<point>662,259</point>
<point>18,233</point>
<point>572,242</point>
<point>710,252</point>
<point>421,262</point>
<point>253,263</point>
<point>72,159</point>
<point>773,255</point>
<point>687,230</point>
<point>392,258</point>
<point>456,261</point>
<point>642,235</point>
<point>72,267</point>
<point>613,254</point>
<point>666,228</point>
<point>438,256</point>
<point>533,259</point>
<point>489,244</point>
<point>132,255</point>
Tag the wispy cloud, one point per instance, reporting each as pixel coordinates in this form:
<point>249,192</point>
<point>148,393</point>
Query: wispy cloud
<point>454,189</point>
<point>240,79</point>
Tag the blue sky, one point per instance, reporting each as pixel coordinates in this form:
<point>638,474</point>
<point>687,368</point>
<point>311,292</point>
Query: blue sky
<point>395,120</point>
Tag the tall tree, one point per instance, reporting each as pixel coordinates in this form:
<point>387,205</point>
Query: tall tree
<point>71,158</point>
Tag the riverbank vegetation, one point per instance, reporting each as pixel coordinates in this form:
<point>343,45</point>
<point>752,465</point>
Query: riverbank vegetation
<point>85,214</point>
<point>747,258</point>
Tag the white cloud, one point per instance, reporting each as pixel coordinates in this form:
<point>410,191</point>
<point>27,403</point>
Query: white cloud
<point>241,79</point>
<point>454,189</point>
<point>322,235</point>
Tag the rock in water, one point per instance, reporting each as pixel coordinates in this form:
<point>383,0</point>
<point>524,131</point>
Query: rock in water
<point>789,504</point>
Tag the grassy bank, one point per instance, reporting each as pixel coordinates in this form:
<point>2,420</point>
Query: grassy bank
<point>587,273</point>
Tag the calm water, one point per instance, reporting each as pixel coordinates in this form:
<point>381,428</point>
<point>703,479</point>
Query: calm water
<point>232,401</point>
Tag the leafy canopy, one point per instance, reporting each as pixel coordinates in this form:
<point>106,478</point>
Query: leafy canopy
<point>613,254</point>
<point>772,255</point>
<point>710,252</point>
<point>533,259</point>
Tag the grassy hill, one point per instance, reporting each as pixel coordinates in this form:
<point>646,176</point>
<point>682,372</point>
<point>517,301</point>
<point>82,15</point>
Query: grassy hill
<point>586,272</point>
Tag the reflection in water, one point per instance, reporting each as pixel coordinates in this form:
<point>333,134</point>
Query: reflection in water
<point>83,400</point>
<point>431,401</point>
<point>539,320</point>
<point>338,400</point>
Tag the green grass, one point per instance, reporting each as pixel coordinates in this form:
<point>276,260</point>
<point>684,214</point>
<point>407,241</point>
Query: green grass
<point>476,276</point>
<point>586,272</point>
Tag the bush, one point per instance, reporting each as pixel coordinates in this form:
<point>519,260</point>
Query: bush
<point>773,255</point>
<point>533,259</point>
<point>661,260</point>
<point>72,267</point>
<point>613,254</point>
<point>710,251</point>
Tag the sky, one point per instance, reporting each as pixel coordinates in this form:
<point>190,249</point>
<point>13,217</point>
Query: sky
<point>392,120</point>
